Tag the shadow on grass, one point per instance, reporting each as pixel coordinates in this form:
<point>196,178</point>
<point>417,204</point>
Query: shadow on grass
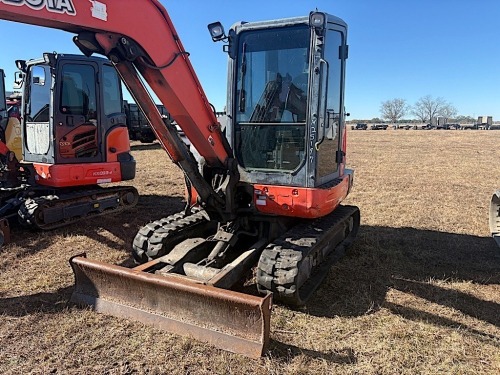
<point>406,259</point>
<point>286,351</point>
<point>145,146</point>
<point>123,225</point>
<point>47,303</point>
<point>422,316</point>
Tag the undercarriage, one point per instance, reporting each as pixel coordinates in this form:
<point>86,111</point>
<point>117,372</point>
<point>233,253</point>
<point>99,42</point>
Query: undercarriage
<point>40,208</point>
<point>186,256</point>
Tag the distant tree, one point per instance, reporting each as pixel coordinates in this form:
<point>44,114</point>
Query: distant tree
<point>428,107</point>
<point>465,119</point>
<point>375,120</point>
<point>393,109</point>
<point>448,111</point>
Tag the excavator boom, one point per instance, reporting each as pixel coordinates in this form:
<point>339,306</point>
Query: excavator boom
<point>151,47</point>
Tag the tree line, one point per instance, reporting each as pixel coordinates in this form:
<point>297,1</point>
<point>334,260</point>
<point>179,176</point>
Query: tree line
<point>424,110</point>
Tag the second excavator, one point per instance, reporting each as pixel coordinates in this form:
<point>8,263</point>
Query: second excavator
<point>69,140</point>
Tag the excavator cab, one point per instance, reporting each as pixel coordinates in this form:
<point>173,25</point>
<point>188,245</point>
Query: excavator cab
<point>287,100</point>
<point>74,131</point>
<point>286,110</point>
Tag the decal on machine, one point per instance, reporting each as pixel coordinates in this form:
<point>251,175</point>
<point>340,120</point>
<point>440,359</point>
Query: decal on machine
<point>99,10</point>
<point>312,141</point>
<point>55,6</point>
<point>101,173</point>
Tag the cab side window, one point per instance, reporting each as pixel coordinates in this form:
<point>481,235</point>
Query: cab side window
<point>111,90</point>
<point>78,94</point>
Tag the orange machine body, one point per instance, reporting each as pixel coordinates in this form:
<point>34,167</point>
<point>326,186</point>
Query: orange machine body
<point>307,203</point>
<point>66,175</point>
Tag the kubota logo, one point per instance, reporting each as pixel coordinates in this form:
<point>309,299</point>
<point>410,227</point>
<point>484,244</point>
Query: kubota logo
<point>56,6</point>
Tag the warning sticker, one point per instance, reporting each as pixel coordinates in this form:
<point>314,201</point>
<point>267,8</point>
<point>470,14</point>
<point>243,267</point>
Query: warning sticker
<point>99,10</point>
<point>103,180</point>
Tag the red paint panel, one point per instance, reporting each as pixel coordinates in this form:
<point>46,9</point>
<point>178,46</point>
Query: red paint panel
<point>299,202</point>
<point>118,141</point>
<point>66,175</point>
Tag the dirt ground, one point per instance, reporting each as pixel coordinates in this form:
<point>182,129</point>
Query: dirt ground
<point>419,291</point>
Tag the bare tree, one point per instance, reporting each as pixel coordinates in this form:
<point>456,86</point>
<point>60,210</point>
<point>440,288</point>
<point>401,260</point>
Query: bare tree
<point>449,111</point>
<point>393,109</point>
<point>427,107</point>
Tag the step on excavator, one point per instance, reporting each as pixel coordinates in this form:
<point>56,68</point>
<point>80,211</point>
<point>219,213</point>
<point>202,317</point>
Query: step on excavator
<point>264,218</point>
<point>70,139</point>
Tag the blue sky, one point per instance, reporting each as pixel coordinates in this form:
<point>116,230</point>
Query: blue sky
<point>397,48</point>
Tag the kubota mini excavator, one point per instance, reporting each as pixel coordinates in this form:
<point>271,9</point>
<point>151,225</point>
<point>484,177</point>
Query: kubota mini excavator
<point>265,195</point>
<point>73,139</point>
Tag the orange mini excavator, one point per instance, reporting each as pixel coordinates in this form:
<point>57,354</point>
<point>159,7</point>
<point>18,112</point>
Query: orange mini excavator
<point>264,215</point>
<point>73,138</point>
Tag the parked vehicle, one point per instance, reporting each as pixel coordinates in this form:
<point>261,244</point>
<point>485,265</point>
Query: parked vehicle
<point>138,126</point>
<point>14,105</point>
<point>401,126</point>
<point>359,126</point>
<point>468,127</point>
<point>484,122</point>
<point>379,127</point>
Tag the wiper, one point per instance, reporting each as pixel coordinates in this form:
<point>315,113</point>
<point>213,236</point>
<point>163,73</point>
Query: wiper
<point>243,72</point>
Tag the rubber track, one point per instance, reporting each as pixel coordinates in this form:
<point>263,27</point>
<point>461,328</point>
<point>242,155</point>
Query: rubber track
<point>29,210</point>
<point>154,238</point>
<point>26,213</point>
<point>293,265</point>
<point>6,193</point>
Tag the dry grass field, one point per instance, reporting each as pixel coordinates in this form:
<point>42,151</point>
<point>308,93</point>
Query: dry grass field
<point>418,293</point>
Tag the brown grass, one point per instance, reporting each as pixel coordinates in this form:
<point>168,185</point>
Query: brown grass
<point>419,292</point>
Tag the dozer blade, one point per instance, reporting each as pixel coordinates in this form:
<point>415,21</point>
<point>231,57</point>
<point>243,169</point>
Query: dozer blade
<point>229,320</point>
<point>495,216</point>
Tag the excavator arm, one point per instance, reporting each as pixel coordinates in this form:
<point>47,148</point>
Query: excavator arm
<point>138,36</point>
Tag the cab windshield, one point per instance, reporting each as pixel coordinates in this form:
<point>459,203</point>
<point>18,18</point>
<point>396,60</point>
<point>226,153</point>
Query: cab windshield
<point>271,98</point>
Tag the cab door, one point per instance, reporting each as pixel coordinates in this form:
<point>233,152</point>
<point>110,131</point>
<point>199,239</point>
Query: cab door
<point>37,115</point>
<point>76,118</point>
<point>329,145</point>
